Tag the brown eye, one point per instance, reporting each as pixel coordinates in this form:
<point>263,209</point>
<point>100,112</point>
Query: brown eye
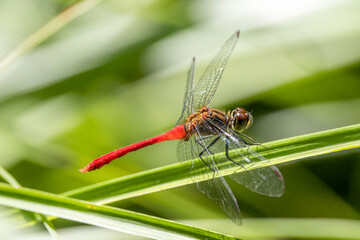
<point>241,119</point>
<point>240,116</point>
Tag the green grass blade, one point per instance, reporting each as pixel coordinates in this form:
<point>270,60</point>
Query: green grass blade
<point>39,217</point>
<point>46,31</point>
<point>103,216</point>
<point>9,178</point>
<point>171,176</point>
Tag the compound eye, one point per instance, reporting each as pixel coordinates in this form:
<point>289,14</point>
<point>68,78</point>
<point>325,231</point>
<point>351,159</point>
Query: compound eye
<point>241,116</point>
<point>242,119</point>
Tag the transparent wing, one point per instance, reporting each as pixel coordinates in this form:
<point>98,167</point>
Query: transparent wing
<point>188,97</point>
<point>266,180</point>
<point>216,188</point>
<point>209,80</point>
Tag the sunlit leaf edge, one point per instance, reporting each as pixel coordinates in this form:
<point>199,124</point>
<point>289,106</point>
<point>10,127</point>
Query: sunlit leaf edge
<point>102,216</point>
<point>276,152</point>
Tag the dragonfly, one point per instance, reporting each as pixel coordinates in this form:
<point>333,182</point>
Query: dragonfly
<point>204,133</point>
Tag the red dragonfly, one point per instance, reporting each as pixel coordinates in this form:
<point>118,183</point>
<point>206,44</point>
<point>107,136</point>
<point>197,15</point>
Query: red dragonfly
<point>205,131</point>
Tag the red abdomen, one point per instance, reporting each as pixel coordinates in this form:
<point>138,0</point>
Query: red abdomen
<point>176,133</point>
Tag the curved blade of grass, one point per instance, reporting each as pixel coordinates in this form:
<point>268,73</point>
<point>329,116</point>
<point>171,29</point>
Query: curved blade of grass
<point>54,25</point>
<point>38,217</point>
<point>171,176</point>
<point>103,216</point>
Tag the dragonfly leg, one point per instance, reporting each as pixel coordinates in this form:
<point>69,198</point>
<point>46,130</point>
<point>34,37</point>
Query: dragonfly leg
<point>228,157</point>
<point>251,141</point>
<point>206,148</point>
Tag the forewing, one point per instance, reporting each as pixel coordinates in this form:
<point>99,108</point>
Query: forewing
<point>209,80</point>
<point>216,188</point>
<point>188,97</point>
<point>266,180</point>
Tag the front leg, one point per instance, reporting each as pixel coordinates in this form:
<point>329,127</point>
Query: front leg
<point>227,154</point>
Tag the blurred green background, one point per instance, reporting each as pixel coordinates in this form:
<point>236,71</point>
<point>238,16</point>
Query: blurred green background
<point>116,75</point>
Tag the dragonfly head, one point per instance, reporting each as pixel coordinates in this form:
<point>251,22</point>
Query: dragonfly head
<point>240,119</point>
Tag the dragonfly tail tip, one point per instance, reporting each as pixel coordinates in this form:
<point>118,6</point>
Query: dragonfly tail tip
<point>84,170</point>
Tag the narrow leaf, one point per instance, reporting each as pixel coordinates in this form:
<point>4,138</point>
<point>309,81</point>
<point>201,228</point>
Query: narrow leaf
<point>103,216</point>
<point>47,30</point>
<point>39,217</point>
<point>171,176</point>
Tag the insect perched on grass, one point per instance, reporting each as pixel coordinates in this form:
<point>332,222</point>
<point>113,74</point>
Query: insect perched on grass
<point>205,131</point>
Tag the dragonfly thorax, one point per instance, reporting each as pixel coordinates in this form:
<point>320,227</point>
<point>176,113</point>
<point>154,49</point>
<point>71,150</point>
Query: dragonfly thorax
<point>200,122</point>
